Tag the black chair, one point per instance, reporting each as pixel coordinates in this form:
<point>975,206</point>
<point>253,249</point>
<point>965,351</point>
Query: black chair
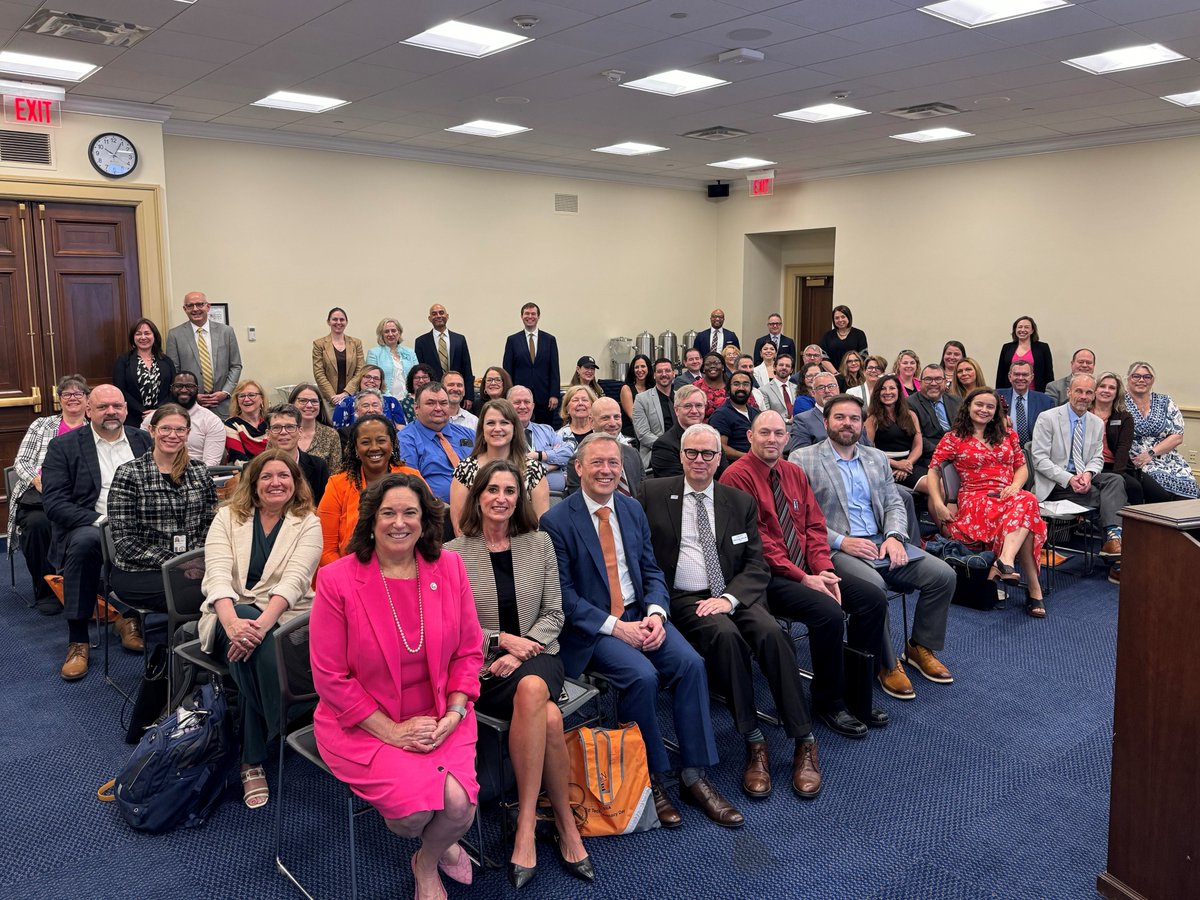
<point>182,579</point>
<point>10,538</point>
<point>1059,529</point>
<point>296,687</point>
<point>109,554</point>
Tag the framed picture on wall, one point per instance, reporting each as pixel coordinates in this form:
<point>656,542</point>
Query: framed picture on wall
<point>219,312</point>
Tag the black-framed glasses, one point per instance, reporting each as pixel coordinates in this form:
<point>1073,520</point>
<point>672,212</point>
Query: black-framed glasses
<point>283,429</point>
<point>72,395</point>
<point>706,455</point>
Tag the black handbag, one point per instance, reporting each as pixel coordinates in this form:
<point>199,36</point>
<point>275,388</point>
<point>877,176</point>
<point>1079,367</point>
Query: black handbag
<point>860,671</point>
<point>973,589</point>
<point>151,701</point>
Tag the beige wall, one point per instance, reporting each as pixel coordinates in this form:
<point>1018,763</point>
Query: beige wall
<point>281,235</point>
<point>71,150</point>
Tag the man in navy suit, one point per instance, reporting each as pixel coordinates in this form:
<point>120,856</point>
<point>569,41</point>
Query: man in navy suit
<point>531,358</point>
<point>774,335</point>
<point>76,475</point>
<point>615,601</point>
<point>1024,404</point>
<point>431,346</point>
<point>716,338</point>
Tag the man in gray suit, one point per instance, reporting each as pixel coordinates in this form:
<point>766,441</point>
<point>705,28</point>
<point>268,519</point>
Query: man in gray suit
<point>868,532</point>
<point>653,411</point>
<point>209,349</point>
<point>808,428</point>
<point>1083,362</point>
<point>778,392</point>
<point>1068,460</point>
<point>935,409</point>
<point>606,419</point>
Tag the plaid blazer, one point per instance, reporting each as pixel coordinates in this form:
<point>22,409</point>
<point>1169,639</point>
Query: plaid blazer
<point>146,512</point>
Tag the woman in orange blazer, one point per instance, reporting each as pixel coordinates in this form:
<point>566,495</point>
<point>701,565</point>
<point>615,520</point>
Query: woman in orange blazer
<point>374,453</point>
<point>336,359</point>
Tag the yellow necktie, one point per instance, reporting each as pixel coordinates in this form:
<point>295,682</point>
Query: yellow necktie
<point>532,350</point>
<point>206,373</point>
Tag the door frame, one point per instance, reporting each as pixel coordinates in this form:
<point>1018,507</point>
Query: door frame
<point>148,207</point>
<point>791,296</point>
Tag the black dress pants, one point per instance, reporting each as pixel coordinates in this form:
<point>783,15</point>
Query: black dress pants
<point>35,547</point>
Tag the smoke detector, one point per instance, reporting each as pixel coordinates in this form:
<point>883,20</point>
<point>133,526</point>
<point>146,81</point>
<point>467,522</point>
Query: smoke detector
<point>525,22</point>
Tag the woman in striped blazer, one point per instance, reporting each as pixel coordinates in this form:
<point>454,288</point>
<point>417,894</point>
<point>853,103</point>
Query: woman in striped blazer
<point>514,576</point>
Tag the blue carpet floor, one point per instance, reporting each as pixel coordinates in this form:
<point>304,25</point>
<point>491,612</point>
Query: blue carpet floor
<point>994,787</point>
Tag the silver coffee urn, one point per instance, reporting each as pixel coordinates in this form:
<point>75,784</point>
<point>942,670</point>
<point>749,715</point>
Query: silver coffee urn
<point>668,346</point>
<point>620,352</point>
<point>644,343</point>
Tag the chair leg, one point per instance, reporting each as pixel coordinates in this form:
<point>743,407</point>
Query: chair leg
<point>353,849</point>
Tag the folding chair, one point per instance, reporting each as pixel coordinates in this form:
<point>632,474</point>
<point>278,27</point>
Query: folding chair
<point>108,550</point>
<point>182,577</point>
<point>1059,528</point>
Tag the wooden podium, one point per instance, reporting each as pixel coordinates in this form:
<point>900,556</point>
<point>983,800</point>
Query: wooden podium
<point>1153,837</point>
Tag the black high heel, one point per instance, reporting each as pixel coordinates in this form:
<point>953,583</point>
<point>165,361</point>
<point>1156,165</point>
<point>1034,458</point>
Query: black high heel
<point>1003,572</point>
<point>583,870</point>
<point>519,876</point>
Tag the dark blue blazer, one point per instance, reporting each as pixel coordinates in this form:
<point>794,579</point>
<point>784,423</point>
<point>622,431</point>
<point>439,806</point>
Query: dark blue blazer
<point>702,340</point>
<point>460,358</point>
<point>786,345</point>
<point>1036,403</point>
<point>540,377</point>
<point>581,570</point>
<point>71,481</point>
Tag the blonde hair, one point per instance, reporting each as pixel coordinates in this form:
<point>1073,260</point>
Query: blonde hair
<point>980,382</point>
<point>244,501</point>
<point>383,323</point>
<point>569,394</point>
<point>181,458</point>
<point>262,396</point>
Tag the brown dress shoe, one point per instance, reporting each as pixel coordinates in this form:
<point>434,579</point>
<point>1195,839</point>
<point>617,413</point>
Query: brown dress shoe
<point>895,683</point>
<point>668,815</point>
<point>716,807</point>
<point>77,662</point>
<point>756,779</point>
<point>1111,548</point>
<point>806,771</point>
<point>926,663</point>
<point>127,630</point>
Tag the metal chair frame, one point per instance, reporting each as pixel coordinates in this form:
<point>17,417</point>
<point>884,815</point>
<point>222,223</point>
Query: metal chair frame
<point>10,537</point>
<point>184,607</point>
<point>108,551</point>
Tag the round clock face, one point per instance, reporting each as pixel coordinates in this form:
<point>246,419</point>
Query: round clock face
<point>113,155</point>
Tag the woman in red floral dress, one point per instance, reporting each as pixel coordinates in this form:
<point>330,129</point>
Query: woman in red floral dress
<point>992,508</point>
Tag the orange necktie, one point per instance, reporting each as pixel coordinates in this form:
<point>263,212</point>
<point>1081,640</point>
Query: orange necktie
<point>608,546</point>
<point>448,450</point>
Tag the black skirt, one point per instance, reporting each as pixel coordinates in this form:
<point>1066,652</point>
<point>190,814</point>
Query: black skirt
<point>496,693</point>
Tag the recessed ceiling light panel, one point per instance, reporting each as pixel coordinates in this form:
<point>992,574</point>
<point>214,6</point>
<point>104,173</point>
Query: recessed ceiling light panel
<point>674,83</point>
<point>932,134</point>
<point>45,67</point>
<point>1191,98</point>
<point>743,162</point>
<point>824,112</point>
<point>462,39</point>
<point>976,13</point>
<point>307,103</point>
<point>630,148</point>
<point>485,128</point>
<point>1126,58</point>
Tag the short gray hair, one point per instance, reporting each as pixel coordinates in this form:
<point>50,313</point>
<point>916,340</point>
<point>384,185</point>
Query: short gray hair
<point>700,428</point>
<point>685,391</point>
<point>367,392</point>
<point>1074,375</point>
<point>593,438</point>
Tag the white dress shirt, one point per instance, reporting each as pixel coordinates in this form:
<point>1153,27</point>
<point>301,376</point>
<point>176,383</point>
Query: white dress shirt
<point>628,592</point>
<point>112,454</point>
<point>466,419</point>
<point>691,574</point>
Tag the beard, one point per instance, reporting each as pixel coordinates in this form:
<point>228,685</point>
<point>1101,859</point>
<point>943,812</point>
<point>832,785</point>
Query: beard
<point>843,437</point>
<point>186,404</point>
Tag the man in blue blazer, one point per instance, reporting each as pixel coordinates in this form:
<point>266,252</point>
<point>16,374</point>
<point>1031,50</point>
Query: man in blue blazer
<point>615,601</point>
<point>1024,404</point>
<point>716,338</point>
<point>76,475</point>
<point>774,335</point>
<point>428,348</point>
<point>531,358</point>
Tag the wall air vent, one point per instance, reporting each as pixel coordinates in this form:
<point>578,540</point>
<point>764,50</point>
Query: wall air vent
<point>925,111</point>
<point>716,133</point>
<point>28,147</point>
<point>88,29</point>
<point>567,204</point>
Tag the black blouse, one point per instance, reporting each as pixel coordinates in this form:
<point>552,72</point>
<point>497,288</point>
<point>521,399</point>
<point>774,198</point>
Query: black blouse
<point>506,591</point>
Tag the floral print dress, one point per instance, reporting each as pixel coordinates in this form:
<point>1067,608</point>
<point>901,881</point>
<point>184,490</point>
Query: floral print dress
<point>1170,470</point>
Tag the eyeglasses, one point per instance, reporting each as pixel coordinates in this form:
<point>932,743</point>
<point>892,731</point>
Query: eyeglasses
<point>195,306</point>
<point>494,380</point>
<point>248,395</point>
<point>825,387</point>
<point>706,455</point>
<point>930,379</point>
<point>301,401</point>
<point>283,429</point>
<point>1136,376</point>
<point>171,429</point>
<point>72,395</point>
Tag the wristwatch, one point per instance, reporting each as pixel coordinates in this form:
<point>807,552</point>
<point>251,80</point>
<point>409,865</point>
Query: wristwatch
<point>902,538</point>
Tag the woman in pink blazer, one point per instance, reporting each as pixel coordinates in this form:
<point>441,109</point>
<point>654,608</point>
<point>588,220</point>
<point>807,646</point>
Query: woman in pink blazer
<point>396,652</point>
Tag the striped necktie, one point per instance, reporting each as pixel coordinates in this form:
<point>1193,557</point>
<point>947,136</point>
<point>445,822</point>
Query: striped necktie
<point>1077,463</point>
<point>443,354</point>
<point>206,372</point>
<point>790,539</point>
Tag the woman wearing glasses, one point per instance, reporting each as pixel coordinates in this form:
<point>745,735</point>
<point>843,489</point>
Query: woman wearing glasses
<point>873,369</point>
<point>370,378</point>
<point>496,384</point>
<point>1157,434</point>
<point>316,436</point>
<point>246,432</point>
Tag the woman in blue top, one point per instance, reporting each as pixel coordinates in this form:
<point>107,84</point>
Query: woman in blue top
<point>394,360</point>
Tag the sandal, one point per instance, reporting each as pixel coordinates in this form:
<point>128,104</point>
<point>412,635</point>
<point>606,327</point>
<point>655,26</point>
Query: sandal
<point>1035,607</point>
<point>255,797</point>
<point>1003,572</point>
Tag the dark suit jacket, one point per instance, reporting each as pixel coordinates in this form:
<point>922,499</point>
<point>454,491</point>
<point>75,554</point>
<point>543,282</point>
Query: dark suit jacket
<point>703,337</point>
<point>786,345</point>
<point>125,378</point>
<point>1043,365</point>
<point>742,564</point>
<point>931,428</point>
<point>316,473</point>
<point>1036,403</point>
<point>460,358</point>
<point>541,377</point>
<point>71,481</point>
<point>664,458</point>
<point>631,463</point>
<point>581,570</point>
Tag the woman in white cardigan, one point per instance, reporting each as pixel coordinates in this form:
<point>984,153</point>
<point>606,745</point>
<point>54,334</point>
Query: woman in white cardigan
<point>260,557</point>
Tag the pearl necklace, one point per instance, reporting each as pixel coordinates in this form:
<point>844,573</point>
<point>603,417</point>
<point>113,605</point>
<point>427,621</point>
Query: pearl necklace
<point>396,618</point>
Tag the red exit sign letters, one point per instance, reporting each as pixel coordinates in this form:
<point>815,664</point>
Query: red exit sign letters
<point>32,111</point>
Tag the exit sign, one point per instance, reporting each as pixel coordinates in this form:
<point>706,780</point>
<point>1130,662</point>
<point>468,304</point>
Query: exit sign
<point>32,111</point>
<point>762,187</point>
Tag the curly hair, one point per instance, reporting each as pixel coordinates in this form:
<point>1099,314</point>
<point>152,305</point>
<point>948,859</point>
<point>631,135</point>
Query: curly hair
<point>433,511</point>
<point>351,464</point>
<point>996,429</point>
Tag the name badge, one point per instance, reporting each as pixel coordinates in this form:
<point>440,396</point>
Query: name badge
<point>674,496</point>
<point>180,543</point>
<point>741,538</point>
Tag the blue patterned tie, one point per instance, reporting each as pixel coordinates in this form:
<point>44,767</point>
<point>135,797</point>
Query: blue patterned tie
<point>1022,421</point>
<point>940,409</point>
<point>1077,447</point>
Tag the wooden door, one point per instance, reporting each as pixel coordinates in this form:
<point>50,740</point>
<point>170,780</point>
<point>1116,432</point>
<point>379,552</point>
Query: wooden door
<point>69,292</point>
<point>816,308</point>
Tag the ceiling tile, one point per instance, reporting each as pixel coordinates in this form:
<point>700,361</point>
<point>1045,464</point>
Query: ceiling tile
<point>193,46</point>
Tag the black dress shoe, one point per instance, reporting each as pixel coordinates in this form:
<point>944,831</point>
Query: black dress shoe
<point>583,870</point>
<point>709,799</point>
<point>844,724</point>
<point>668,815</point>
<point>519,876</point>
<point>48,606</point>
<point>877,719</point>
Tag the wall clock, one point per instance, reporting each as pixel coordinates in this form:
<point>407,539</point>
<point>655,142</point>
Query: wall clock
<point>113,155</point>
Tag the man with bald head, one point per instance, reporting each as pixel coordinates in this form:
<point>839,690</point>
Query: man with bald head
<point>208,348</point>
<point>76,475</point>
<point>542,440</point>
<point>717,337</point>
<point>1083,362</point>
<point>606,419</point>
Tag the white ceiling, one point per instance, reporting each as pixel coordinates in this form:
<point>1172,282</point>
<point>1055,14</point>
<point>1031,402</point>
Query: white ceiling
<point>206,62</point>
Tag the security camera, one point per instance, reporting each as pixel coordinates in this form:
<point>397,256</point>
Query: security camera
<point>613,76</point>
